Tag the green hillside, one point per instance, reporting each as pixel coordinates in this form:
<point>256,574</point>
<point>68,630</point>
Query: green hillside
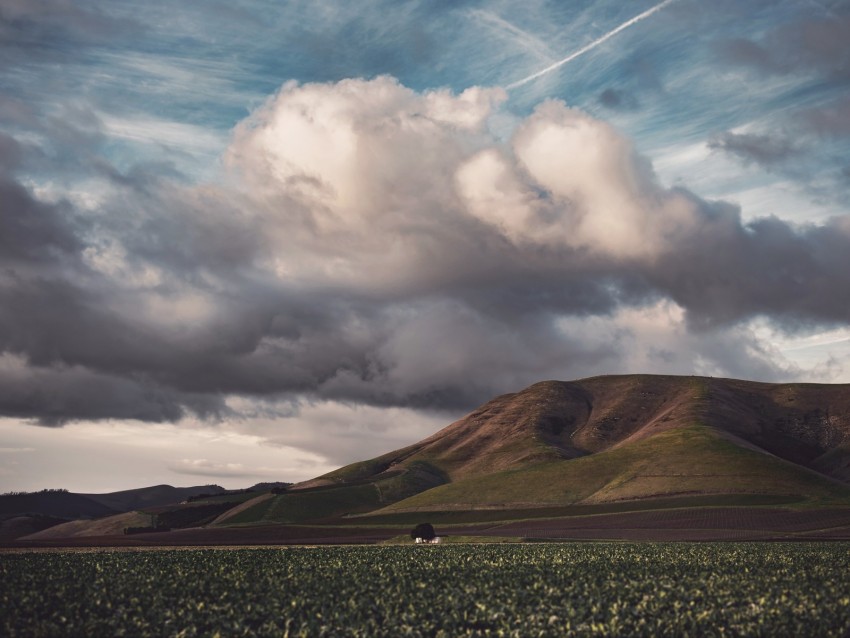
<point>613,439</point>
<point>605,444</point>
<point>339,500</point>
<point>687,461</point>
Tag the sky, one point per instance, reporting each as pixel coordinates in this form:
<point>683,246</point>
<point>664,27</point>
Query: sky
<point>248,240</point>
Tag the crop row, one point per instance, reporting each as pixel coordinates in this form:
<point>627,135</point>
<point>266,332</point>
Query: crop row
<point>460,590</point>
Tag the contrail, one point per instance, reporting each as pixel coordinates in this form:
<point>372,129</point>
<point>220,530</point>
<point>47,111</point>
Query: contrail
<point>590,46</point>
<point>524,38</point>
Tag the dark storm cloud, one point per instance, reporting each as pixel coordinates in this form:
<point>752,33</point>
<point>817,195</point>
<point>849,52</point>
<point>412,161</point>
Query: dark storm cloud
<point>32,231</point>
<point>617,99</point>
<point>67,356</point>
<point>67,349</point>
<point>803,148</point>
<point>11,153</point>
<point>818,44</point>
<point>389,278</point>
<point>767,150</point>
<point>732,271</point>
<point>55,395</point>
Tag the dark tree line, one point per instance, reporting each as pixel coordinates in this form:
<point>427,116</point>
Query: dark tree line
<point>46,491</point>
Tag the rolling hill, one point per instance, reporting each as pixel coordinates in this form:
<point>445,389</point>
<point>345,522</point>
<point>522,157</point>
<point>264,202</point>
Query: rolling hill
<point>603,440</point>
<point>54,503</point>
<point>632,456</point>
<point>154,496</point>
<point>26,513</point>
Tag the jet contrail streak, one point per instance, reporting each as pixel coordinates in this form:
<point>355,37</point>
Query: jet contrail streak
<point>524,38</point>
<point>590,46</point>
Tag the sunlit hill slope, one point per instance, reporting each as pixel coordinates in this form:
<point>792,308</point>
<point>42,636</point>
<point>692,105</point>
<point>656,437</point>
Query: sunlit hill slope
<point>613,439</point>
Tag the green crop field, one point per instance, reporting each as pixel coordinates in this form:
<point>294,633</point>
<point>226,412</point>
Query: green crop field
<point>663,589</point>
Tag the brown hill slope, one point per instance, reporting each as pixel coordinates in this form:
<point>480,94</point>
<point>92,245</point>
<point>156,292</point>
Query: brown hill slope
<point>808,424</point>
<point>601,440</point>
<point>108,526</point>
<point>636,442</point>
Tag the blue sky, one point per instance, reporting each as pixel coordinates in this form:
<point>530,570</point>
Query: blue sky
<point>256,240</point>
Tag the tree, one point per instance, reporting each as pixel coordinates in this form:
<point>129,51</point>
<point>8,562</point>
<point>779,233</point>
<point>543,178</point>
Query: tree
<point>424,531</point>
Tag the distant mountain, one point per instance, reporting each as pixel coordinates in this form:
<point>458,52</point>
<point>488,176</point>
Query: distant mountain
<point>609,439</point>
<point>37,510</point>
<point>52,503</point>
<point>155,496</point>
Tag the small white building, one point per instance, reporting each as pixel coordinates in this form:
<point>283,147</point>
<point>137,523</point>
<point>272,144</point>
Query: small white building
<point>434,541</point>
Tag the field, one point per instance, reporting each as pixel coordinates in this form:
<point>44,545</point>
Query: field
<point>653,589</point>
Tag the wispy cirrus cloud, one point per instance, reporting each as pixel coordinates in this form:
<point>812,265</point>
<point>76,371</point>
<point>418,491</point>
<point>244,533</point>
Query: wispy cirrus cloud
<point>513,34</point>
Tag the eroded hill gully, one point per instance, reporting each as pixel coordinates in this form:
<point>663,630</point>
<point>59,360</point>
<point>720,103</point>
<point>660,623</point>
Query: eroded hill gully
<point>795,422</point>
<point>799,422</point>
<point>598,416</point>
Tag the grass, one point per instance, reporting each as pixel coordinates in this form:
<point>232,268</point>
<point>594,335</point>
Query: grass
<point>635,438</point>
<point>461,517</point>
<point>685,467</point>
<point>99,527</point>
<point>297,507</point>
<point>358,471</point>
<point>329,502</point>
<point>226,498</point>
<point>692,460</point>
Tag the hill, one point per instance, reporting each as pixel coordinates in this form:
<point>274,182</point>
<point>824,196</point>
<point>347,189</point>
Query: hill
<point>633,456</point>
<point>26,513</point>
<point>71,505</point>
<point>53,503</point>
<point>155,496</point>
<point>109,525</point>
<point>612,439</point>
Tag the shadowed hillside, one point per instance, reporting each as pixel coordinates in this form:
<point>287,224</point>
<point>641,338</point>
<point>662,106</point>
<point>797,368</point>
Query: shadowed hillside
<point>53,503</point>
<point>26,513</point>
<point>614,438</point>
<point>154,496</point>
<point>557,452</point>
